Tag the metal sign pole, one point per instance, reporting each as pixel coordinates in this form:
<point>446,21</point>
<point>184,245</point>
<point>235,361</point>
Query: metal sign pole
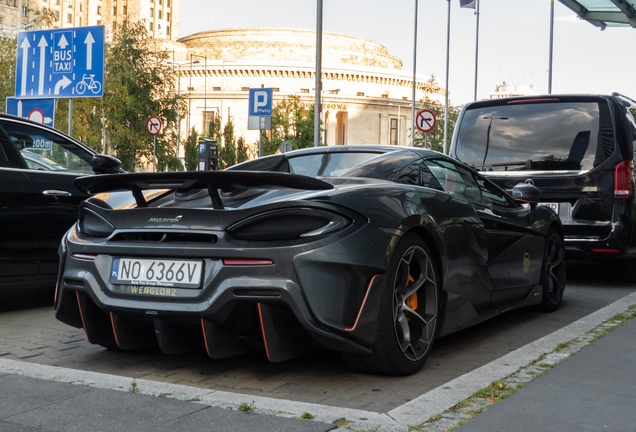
<point>154,152</point>
<point>260,143</point>
<point>70,117</point>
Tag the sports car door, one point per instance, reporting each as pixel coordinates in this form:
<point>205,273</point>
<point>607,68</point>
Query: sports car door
<point>499,233</point>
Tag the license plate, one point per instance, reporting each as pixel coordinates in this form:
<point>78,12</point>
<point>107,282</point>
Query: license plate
<point>156,272</point>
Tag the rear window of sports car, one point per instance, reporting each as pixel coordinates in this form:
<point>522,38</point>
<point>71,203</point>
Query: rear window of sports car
<point>535,136</point>
<point>327,164</point>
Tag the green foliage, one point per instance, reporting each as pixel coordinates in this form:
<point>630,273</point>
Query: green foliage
<point>290,121</point>
<point>8,48</point>
<point>241,150</point>
<point>246,407</point>
<point>138,84</point>
<point>227,154</point>
<point>192,151</point>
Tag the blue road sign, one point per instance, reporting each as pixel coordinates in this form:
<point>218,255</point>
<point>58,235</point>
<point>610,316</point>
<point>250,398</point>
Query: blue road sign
<point>60,63</point>
<point>39,110</point>
<point>260,101</point>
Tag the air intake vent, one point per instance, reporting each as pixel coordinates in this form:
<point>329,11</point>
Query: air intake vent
<point>165,237</point>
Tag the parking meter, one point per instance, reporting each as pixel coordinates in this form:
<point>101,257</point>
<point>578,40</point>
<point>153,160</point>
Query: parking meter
<point>208,158</point>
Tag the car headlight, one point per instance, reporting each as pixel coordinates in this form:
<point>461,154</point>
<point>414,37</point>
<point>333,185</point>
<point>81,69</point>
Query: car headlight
<point>289,224</point>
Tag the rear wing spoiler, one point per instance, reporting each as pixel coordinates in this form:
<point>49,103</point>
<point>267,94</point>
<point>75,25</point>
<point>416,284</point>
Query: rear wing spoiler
<point>188,180</point>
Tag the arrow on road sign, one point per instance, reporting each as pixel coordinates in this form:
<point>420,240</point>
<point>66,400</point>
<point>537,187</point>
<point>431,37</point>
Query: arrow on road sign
<point>89,41</point>
<point>63,43</point>
<point>25,62</point>
<point>42,44</point>
<point>63,83</point>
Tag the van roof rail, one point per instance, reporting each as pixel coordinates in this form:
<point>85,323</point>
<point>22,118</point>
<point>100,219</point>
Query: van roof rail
<point>629,101</point>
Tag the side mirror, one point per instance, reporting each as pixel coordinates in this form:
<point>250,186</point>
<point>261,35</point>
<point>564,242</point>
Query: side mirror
<point>103,164</point>
<point>526,193</point>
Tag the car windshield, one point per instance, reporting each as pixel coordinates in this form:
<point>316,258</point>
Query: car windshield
<point>327,164</point>
<point>533,136</point>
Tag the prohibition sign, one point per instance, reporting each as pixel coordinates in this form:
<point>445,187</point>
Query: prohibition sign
<point>153,125</point>
<point>425,120</point>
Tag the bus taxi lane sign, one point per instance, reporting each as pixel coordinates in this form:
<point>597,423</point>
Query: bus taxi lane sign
<point>153,125</point>
<point>60,63</point>
<point>425,120</point>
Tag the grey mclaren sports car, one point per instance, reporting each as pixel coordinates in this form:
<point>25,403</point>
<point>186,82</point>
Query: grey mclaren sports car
<point>371,251</point>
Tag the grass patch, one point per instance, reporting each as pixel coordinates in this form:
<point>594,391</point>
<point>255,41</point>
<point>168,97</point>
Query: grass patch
<point>341,423</point>
<point>246,407</point>
<point>134,388</point>
<point>307,416</point>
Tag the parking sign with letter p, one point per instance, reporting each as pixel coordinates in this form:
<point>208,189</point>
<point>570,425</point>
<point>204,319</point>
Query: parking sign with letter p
<point>260,102</point>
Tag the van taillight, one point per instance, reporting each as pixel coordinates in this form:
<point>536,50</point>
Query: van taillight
<point>623,179</point>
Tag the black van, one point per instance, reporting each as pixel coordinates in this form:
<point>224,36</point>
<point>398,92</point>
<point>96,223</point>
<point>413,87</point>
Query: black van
<point>577,149</point>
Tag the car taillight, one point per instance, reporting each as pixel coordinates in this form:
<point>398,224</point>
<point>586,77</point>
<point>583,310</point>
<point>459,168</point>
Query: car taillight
<point>623,179</point>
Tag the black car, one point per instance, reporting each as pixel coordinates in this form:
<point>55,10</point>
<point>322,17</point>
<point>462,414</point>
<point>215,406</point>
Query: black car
<point>38,200</point>
<point>390,248</point>
<point>577,149</point>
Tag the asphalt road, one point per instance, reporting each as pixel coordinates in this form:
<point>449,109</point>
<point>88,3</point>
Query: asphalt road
<point>29,332</point>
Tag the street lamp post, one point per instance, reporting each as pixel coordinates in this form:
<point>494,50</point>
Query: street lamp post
<point>205,86</point>
<point>178,65</point>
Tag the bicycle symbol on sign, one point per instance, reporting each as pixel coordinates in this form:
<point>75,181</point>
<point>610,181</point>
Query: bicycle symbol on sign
<point>88,82</point>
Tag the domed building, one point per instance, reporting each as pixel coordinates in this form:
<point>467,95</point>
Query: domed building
<point>366,94</point>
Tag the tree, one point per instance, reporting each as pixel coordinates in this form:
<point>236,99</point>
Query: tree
<point>138,83</point>
<point>241,150</point>
<point>227,154</point>
<point>290,121</point>
<point>8,46</point>
<point>192,151</point>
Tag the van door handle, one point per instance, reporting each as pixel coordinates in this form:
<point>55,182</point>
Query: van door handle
<point>56,193</point>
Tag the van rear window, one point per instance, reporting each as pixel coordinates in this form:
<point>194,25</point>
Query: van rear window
<point>534,136</point>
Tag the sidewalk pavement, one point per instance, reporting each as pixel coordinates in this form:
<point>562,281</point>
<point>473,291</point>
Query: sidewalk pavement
<point>593,390</point>
<point>36,405</point>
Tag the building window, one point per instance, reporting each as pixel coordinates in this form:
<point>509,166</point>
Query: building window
<point>152,12</point>
<point>69,18</point>
<point>167,16</point>
<point>57,2</point>
<point>168,30</point>
<point>393,140</point>
<point>160,14</point>
<point>24,11</point>
<point>80,21</point>
<point>245,89</point>
<point>304,90</point>
<point>216,88</point>
<point>125,11</point>
<point>160,2</point>
<point>56,14</point>
<point>360,94</point>
<point>168,3</point>
<point>80,7</point>
<point>151,26</point>
<point>114,10</point>
<point>99,10</point>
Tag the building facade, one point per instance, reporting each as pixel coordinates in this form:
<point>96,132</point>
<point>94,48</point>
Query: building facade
<point>366,94</point>
<point>161,17</point>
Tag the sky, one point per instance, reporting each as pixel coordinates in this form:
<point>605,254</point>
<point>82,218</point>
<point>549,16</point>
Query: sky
<point>514,39</point>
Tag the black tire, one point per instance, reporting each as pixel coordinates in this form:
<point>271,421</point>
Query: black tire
<point>553,272</point>
<point>408,318</point>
